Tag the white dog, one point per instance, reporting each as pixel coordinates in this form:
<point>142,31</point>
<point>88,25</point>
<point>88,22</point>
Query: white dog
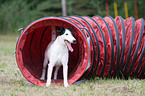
<point>57,55</point>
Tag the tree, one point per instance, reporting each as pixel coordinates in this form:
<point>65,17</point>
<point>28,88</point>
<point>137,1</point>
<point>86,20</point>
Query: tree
<point>63,2</point>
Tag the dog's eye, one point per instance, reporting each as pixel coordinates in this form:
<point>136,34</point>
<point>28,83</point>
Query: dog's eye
<point>66,34</point>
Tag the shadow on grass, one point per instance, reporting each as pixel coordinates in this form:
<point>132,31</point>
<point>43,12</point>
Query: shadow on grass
<point>9,81</point>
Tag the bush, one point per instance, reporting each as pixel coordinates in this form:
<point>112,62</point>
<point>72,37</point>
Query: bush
<point>16,14</point>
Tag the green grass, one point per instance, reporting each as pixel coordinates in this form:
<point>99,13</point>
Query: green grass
<point>12,81</point>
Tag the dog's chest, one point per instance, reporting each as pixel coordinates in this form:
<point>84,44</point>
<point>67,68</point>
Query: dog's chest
<point>58,53</point>
<point>61,51</point>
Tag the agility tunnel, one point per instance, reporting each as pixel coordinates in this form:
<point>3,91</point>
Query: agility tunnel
<point>106,47</point>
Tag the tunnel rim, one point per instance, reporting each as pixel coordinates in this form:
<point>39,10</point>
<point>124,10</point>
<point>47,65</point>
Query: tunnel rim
<point>19,55</point>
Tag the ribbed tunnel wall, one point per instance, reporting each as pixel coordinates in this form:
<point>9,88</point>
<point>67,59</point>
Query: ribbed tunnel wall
<point>112,47</point>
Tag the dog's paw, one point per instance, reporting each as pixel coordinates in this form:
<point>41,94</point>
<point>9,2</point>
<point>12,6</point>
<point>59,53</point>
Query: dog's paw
<point>66,85</point>
<point>42,78</point>
<point>55,78</point>
<point>47,84</point>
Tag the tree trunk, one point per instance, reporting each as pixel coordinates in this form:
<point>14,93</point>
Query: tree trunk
<point>63,2</point>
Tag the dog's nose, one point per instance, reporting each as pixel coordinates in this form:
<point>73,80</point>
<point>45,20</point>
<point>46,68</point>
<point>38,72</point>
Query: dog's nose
<point>74,41</point>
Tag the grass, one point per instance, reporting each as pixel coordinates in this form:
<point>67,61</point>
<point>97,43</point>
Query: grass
<point>12,81</point>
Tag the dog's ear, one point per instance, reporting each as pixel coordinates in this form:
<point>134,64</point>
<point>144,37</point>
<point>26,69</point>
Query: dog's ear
<point>60,30</point>
<point>71,30</point>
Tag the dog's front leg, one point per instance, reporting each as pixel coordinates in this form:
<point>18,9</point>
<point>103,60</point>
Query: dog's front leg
<point>49,73</point>
<point>65,71</point>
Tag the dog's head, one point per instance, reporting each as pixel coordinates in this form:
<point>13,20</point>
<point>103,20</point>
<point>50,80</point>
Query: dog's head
<point>67,36</point>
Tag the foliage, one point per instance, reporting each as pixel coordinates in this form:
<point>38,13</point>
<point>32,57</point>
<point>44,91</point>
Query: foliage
<point>19,13</point>
<point>130,5</point>
<point>16,14</point>
<point>86,8</point>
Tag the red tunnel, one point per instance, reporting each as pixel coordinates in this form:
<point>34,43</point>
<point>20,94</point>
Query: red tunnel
<point>105,47</point>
